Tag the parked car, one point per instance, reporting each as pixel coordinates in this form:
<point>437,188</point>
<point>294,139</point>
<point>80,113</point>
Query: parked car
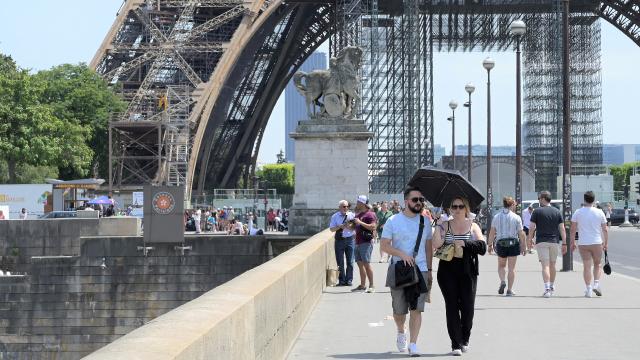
<point>59,215</point>
<point>617,216</point>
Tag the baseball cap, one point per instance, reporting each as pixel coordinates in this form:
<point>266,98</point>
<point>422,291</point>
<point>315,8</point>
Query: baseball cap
<point>363,199</point>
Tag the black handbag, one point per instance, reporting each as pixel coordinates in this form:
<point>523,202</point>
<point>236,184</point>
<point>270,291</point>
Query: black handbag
<point>405,274</point>
<point>606,268</point>
<point>338,234</point>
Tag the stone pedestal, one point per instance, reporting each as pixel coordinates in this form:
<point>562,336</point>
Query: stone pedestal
<point>331,165</point>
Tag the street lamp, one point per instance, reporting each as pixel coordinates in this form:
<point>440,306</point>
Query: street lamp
<point>488,64</point>
<point>517,28</point>
<point>453,105</point>
<point>469,88</point>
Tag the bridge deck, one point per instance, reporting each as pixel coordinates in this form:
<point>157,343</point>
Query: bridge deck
<point>348,325</point>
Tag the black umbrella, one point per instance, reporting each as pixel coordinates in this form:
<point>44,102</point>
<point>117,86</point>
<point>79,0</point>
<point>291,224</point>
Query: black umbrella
<point>439,186</point>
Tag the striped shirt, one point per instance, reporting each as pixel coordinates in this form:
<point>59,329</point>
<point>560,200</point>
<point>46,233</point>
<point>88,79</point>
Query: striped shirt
<point>507,224</point>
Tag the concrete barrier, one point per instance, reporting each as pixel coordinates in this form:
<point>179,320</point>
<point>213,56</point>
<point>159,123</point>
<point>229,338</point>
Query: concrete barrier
<point>257,315</point>
<point>119,226</point>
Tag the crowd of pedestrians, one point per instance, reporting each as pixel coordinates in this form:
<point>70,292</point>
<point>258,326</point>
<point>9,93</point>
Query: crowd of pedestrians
<point>225,219</point>
<point>457,240</point>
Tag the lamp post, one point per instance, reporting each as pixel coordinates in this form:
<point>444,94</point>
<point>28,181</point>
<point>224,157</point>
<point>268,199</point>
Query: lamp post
<point>453,105</point>
<point>488,64</point>
<point>517,28</point>
<point>469,88</point>
<point>567,259</point>
<point>256,186</point>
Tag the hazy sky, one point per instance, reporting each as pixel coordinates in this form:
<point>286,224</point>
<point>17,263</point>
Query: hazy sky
<point>39,34</point>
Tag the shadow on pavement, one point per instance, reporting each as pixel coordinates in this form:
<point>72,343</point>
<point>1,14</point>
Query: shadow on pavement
<point>387,355</point>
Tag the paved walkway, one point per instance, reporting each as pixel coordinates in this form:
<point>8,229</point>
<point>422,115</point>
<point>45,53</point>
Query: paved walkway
<point>348,325</point>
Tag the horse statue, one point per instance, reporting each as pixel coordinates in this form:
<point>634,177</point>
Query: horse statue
<point>339,86</point>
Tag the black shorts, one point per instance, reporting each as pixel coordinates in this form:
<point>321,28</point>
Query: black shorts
<point>507,251</point>
<point>526,230</point>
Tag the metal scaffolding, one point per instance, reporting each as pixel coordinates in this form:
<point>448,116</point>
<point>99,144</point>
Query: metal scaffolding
<point>156,44</point>
<point>163,50</point>
<point>399,38</point>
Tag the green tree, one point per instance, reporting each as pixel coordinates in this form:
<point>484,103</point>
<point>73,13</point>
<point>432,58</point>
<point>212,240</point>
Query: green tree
<point>621,174</point>
<point>30,133</point>
<point>78,95</point>
<point>28,174</point>
<point>279,177</point>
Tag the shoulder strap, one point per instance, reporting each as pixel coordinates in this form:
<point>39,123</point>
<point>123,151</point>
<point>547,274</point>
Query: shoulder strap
<point>415,249</point>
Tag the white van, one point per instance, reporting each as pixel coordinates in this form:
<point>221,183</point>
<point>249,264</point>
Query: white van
<point>557,203</point>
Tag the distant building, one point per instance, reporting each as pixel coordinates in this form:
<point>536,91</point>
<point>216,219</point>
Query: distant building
<point>481,150</point>
<point>438,152</point>
<point>616,154</point>
<point>295,109</point>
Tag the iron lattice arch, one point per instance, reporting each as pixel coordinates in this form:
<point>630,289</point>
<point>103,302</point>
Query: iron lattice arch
<point>234,57</point>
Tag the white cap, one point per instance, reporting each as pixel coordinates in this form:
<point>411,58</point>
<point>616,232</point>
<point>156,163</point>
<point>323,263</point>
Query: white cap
<point>363,199</point>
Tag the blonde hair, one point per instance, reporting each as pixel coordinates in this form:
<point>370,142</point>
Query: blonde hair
<point>465,202</point>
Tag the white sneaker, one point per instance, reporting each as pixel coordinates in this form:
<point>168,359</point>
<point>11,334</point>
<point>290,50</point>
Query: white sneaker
<point>597,291</point>
<point>413,350</point>
<point>456,352</point>
<point>401,342</point>
<point>465,348</point>
<point>588,293</point>
<point>547,293</point>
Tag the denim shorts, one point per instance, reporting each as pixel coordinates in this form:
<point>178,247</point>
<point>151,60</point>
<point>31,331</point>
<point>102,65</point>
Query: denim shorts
<point>363,252</point>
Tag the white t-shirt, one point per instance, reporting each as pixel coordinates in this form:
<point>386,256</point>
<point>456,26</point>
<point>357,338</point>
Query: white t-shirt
<point>589,220</point>
<point>403,232</point>
<point>526,218</point>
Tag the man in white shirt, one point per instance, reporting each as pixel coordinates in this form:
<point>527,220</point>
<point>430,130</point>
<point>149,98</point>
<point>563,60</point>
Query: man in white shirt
<point>593,238</point>
<point>526,222</point>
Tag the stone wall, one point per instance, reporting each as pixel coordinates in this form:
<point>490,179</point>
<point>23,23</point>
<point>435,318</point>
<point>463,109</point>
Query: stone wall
<point>66,301</point>
<point>257,315</point>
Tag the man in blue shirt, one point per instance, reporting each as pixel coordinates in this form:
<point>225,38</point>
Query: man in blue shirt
<point>343,226</point>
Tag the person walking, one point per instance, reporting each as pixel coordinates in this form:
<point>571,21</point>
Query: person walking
<point>507,236</point>
<point>341,224</point>
<point>547,224</point>
<point>197,217</point>
<point>383,215</point>
<point>458,277</point>
<point>24,214</point>
<point>607,213</point>
<point>399,237</point>
<point>591,224</point>
<point>365,225</point>
<point>526,223</point>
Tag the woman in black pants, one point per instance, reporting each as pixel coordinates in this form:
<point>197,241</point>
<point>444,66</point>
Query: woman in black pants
<point>457,277</point>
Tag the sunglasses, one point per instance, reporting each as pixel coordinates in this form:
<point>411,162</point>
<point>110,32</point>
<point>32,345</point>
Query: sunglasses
<point>418,199</point>
<point>344,206</point>
<point>454,207</point>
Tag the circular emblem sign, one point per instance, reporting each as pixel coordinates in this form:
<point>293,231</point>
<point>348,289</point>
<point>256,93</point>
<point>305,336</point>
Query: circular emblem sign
<point>163,203</point>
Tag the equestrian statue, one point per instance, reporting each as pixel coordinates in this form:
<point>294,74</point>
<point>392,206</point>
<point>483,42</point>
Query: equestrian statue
<point>339,87</point>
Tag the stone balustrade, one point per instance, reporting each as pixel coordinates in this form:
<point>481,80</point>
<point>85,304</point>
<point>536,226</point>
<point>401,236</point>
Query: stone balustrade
<point>257,315</point>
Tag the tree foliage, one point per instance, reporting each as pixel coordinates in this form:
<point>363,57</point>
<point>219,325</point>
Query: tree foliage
<point>279,177</point>
<point>78,95</point>
<point>56,118</point>
<point>621,174</point>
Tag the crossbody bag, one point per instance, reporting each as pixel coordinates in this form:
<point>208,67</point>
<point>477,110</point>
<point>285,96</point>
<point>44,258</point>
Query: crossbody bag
<point>400,274</point>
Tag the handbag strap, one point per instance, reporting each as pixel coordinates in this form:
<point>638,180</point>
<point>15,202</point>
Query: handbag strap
<point>415,249</point>
<point>606,257</point>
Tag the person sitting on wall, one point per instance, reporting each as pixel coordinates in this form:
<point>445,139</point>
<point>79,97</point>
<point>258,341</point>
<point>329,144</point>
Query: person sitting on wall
<point>252,230</point>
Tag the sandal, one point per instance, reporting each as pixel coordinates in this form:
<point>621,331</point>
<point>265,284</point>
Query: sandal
<point>359,288</point>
